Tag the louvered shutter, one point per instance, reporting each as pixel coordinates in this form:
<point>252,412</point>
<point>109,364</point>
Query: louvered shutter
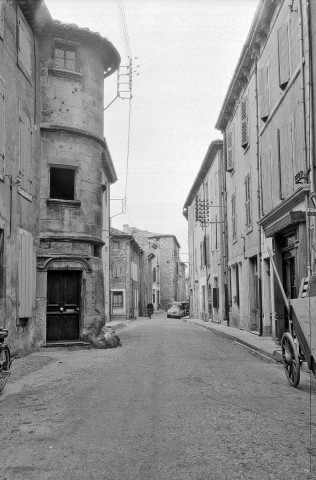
<point>25,275</point>
<point>244,122</point>
<point>2,129</point>
<point>25,45</point>
<point>267,177</point>
<point>286,159</point>
<point>230,150</point>
<point>1,18</point>
<point>207,248</point>
<point>284,60</point>
<point>25,167</point>
<point>264,103</point>
<point>248,201</point>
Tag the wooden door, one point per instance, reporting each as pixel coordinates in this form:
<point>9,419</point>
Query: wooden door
<point>63,305</point>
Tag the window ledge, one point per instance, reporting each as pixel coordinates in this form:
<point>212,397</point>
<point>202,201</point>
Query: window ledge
<point>70,74</point>
<point>63,203</point>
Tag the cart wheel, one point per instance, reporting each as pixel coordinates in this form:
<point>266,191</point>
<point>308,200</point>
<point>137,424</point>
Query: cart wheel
<point>291,361</point>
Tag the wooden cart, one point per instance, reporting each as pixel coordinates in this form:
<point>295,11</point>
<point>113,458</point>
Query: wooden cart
<point>299,344</point>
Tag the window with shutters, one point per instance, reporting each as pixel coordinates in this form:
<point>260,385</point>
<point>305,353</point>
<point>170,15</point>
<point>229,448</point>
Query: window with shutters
<point>234,224</point>
<point>230,150</point>
<point>65,57</point>
<point>25,46</point>
<point>244,123</point>
<point>25,275</point>
<point>264,93</point>
<point>25,163</point>
<point>285,147</point>
<point>284,55</point>
<point>248,201</point>
<point>1,19</point>
<point>62,183</point>
<point>2,129</point>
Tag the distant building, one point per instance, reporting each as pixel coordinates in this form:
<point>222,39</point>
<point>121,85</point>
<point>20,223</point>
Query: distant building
<point>126,266</point>
<point>75,170</point>
<point>205,210</point>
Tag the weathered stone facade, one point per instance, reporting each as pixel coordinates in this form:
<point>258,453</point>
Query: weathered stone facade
<point>126,265</point>
<point>20,169</point>
<point>73,64</point>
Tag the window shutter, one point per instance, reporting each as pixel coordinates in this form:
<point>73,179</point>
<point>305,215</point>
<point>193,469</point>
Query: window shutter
<point>2,129</point>
<point>267,178</point>
<point>247,201</point>
<point>1,18</point>
<point>25,275</point>
<point>286,159</point>
<point>25,167</point>
<point>263,80</point>
<point>230,150</point>
<point>233,200</point>
<point>284,60</point>
<point>25,45</point>
<point>244,122</point>
<point>207,248</point>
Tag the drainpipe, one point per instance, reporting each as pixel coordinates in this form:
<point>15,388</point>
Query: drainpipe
<point>311,118</point>
<point>259,195</point>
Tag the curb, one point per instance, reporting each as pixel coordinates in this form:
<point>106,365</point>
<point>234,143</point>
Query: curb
<point>274,356</point>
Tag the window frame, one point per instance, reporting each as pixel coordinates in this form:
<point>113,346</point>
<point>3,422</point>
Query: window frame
<point>63,167</point>
<point>66,46</point>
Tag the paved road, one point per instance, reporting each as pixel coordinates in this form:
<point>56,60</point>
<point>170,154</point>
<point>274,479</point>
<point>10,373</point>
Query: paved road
<point>176,402</point>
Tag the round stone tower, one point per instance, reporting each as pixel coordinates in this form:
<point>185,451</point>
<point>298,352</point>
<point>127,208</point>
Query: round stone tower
<point>70,294</point>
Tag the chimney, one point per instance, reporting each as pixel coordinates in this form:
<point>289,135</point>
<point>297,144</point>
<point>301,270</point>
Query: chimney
<point>126,228</point>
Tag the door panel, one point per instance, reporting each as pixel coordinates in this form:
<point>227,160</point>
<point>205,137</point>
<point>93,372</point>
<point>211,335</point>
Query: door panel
<point>63,305</point>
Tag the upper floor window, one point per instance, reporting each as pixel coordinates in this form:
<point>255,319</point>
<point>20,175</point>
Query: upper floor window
<point>244,123</point>
<point>62,183</point>
<point>248,201</point>
<point>234,220</point>
<point>115,245</point>
<point>284,55</point>
<point>230,149</point>
<point>25,45</point>
<point>65,57</point>
<point>154,274</point>
<point>264,93</point>
<point>25,160</point>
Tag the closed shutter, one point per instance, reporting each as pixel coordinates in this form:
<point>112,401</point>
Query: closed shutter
<point>25,275</point>
<point>25,167</point>
<point>233,201</point>
<point>2,129</point>
<point>25,45</point>
<point>248,201</point>
<point>230,149</point>
<point>264,103</point>
<point>1,18</point>
<point>207,248</point>
<point>244,122</point>
<point>284,59</point>
<point>285,139</point>
<point>267,178</point>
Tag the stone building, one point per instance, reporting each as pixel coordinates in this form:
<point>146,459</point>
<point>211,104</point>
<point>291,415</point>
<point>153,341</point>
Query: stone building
<point>126,266</point>
<point>20,168</point>
<point>162,255</point>
<point>268,119</point>
<point>205,210</point>
<point>75,161</point>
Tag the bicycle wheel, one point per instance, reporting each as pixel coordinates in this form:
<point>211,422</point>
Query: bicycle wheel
<point>5,364</point>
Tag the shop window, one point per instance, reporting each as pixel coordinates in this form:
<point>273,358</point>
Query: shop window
<point>62,183</point>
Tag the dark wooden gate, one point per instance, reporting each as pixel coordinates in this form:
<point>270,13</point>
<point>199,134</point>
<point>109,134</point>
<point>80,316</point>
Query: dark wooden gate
<point>63,305</point>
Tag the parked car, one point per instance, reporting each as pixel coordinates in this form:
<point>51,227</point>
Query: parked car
<point>176,310</point>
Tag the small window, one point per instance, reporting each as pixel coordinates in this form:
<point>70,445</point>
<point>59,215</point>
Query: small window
<point>115,245</point>
<point>65,57</point>
<point>62,183</point>
<point>97,251</point>
<point>117,299</point>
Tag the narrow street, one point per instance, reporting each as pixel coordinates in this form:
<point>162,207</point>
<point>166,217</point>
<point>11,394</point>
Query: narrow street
<point>175,402</point>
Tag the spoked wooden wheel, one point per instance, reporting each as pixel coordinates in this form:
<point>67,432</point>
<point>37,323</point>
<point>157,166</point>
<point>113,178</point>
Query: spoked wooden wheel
<point>291,360</point>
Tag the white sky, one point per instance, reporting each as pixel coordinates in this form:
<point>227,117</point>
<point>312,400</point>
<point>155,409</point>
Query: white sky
<point>187,51</point>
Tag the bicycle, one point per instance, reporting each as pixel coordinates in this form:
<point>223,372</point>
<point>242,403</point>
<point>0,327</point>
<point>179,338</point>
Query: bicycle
<point>5,359</point>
